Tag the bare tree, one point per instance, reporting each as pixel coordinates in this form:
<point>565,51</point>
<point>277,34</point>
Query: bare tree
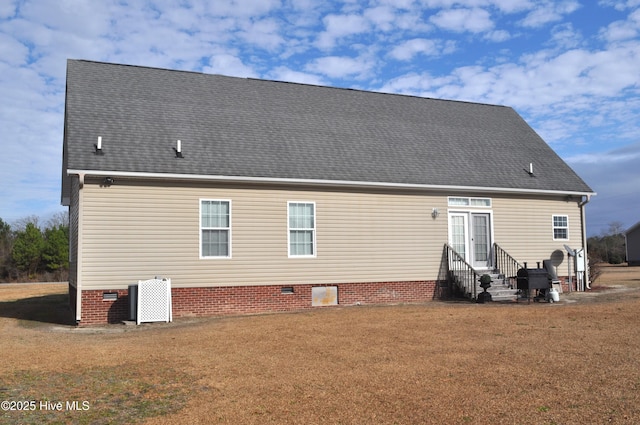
<point>615,228</point>
<point>59,219</point>
<point>21,224</point>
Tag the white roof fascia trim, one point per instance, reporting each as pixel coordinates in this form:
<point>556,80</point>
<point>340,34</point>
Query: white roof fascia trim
<point>314,182</point>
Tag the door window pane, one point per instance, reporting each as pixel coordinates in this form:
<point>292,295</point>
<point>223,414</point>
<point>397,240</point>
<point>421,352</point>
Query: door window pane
<point>481,237</point>
<point>458,235</point>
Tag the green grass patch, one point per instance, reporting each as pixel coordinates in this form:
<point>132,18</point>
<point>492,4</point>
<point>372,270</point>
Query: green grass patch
<point>100,395</point>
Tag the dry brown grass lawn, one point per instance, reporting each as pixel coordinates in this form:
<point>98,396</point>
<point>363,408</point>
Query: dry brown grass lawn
<point>573,362</point>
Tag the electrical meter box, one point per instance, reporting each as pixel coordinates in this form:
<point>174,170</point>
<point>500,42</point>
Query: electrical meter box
<point>580,260</point>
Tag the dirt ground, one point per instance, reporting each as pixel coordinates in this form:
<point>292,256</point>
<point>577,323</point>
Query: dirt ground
<point>572,362</point>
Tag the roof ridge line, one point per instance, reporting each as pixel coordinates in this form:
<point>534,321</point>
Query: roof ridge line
<point>361,90</point>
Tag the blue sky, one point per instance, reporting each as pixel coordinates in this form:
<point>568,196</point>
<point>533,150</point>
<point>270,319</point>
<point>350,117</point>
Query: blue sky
<point>571,68</point>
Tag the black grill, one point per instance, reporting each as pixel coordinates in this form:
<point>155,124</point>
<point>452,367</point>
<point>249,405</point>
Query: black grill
<point>533,279</point>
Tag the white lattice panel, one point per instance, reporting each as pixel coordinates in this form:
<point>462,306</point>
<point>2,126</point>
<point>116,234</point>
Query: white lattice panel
<point>154,300</point>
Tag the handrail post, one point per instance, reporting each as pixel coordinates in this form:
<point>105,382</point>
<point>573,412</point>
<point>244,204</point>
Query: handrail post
<point>465,275</point>
<point>508,265</point>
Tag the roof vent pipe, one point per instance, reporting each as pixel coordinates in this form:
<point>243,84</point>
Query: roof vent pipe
<point>98,146</point>
<point>178,149</point>
<point>530,170</point>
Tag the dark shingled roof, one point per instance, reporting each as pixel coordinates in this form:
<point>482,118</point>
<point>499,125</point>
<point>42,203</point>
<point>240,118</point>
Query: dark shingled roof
<point>255,128</point>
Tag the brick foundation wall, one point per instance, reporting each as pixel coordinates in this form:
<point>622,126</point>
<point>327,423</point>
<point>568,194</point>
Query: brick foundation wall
<point>200,302</point>
<point>96,310</point>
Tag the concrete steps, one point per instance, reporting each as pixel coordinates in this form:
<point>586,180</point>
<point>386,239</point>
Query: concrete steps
<point>500,289</point>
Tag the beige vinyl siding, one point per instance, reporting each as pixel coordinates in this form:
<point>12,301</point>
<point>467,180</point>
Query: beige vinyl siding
<point>524,227</point>
<point>136,231</point>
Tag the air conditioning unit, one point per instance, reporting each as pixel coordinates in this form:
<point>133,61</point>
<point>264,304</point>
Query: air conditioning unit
<point>133,302</point>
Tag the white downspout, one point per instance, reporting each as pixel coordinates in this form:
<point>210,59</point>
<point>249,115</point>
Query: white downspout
<point>584,239</point>
<point>79,252</point>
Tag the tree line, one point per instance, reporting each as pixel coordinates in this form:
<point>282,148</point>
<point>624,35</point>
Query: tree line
<point>610,247</point>
<point>31,252</point>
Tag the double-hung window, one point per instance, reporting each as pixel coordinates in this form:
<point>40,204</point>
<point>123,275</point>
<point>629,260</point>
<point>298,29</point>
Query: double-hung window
<point>560,227</point>
<point>215,228</point>
<point>302,229</point>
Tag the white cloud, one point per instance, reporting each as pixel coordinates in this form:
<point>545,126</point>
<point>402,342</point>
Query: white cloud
<point>564,36</point>
<point>30,118</point>
<point>512,6</point>
<point>460,20</point>
<point>382,17</point>
<point>620,5</point>
<point>8,9</point>
<point>12,51</point>
<point>549,11</point>
<point>613,174</point>
<point>398,4</point>
<point>242,8</point>
<point>407,50</point>
<point>282,73</point>
<point>622,30</point>
<point>340,66</point>
<point>227,64</point>
<point>542,80</point>
<point>85,18</point>
<point>505,6</point>
<point>262,33</point>
<point>339,26</point>
<point>600,158</point>
<point>416,84</point>
<point>498,36</point>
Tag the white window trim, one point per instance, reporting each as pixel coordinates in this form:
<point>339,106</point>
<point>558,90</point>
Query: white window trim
<point>313,230</point>
<point>467,227</point>
<point>469,203</point>
<point>554,227</point>
<point>202,257</point>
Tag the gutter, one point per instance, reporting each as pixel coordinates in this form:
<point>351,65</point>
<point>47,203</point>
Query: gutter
<point>79,251</point>
<point>323,183</point>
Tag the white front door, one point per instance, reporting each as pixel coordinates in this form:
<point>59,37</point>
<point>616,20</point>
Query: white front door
<point>470,236</point>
